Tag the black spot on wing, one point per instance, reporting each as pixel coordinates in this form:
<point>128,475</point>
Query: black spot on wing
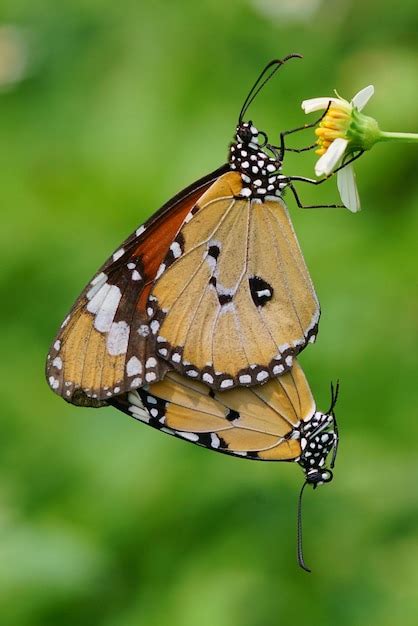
<point>224,298</point>
<point>214,251</point>
<point>261,290</point>
<point>205,440</point>
<point>155,406</point>
<point>175,250</point>
<point>232,415</point>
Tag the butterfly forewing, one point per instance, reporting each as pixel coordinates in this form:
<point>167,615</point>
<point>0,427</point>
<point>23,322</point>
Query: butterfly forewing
<point>105,345</point>
<point>256,422</point>
<point>235,303</point>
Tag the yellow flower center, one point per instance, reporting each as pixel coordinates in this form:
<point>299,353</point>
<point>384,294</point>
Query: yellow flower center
<point>332,126</point>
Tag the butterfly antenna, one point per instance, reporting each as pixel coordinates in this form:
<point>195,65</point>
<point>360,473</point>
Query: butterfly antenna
<point>334,396</point>
<point>301,560</point>
<point>267,73</point>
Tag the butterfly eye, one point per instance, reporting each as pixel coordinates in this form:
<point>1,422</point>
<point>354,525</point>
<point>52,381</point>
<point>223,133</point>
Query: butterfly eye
<point>326,476</point>
<point>244,133</point>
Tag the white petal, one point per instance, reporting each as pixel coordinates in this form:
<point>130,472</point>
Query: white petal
<point>362,97</point>
<point>346,181</point>
<point>316,104</point>
<point>329,160</point>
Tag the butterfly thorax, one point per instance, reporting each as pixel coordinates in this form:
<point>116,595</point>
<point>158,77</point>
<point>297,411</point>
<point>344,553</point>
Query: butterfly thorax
<point>317,439</point>
<point>260,171</point>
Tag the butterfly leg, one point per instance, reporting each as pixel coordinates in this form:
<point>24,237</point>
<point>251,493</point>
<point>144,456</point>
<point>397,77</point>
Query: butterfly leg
<point>336,441</point>
<point>284,133</point>
<point>312,181</point>
<point>312,206</point>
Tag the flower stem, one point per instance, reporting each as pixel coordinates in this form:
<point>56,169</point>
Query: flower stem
<point>398,137</point>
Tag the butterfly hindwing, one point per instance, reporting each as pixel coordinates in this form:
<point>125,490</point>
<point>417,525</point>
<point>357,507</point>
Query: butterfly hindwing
<point>256,422</point>
<point>105,345</point>
<point>236,303</point>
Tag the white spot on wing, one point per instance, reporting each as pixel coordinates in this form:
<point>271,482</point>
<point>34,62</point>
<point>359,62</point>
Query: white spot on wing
<point>224,291</point>
<point>143,330</point>
<point>155,325</point>
<point>229,307</point>
<point>57,345</point>
<point>105,310</point>
<point>134,366</point>
<point>57,362</point>
<point>136,275</point>
<point>97,299</point>
<point>262,376</point>
<point>161,269</point>
<point>188,436</point>
<point>175,249</point>
<point>211,262</point>
<point>65,322</point>
<point>118,254</point>
<point>151,362</point>
<point>96,287</point>
<point>117,339</point>
<point>100,278</point>
<point>214,440</point>
<point>140,414</point>
<point>264,292</point>
<point>53,382</point>
<point>245,379</point>
<point>139,231</point>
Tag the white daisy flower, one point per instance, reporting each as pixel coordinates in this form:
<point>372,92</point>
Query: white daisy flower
<point>343,132</point>
<point>337,138</point>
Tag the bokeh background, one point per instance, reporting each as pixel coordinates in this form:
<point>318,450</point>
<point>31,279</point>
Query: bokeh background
<point>106,110</point>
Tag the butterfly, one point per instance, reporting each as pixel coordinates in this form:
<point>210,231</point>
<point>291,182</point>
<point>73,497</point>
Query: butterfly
<point>213,285</point>
<point>277,421</point>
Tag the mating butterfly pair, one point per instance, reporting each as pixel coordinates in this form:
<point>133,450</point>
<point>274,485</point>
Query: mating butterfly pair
<point>193,324</point>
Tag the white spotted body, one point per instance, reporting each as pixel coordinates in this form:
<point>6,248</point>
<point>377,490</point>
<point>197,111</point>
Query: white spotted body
<point>259,166</point>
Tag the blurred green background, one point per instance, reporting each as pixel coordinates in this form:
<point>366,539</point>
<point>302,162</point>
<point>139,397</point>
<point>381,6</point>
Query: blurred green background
<point>106,110</point>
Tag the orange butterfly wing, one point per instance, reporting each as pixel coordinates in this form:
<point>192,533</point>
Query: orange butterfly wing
<point>256,423</point>
<point>105,346</point>
<point>234,303</point>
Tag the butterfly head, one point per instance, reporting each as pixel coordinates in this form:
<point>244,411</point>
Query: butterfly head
<point>258,162</point>
<point>319,438</point>
<point>247,133</point>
